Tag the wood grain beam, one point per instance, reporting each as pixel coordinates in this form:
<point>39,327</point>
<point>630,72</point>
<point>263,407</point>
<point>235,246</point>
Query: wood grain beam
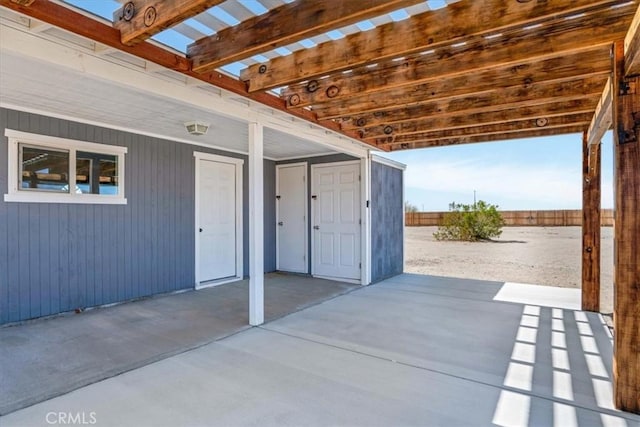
<point>555,70</point>
<point>489,138</point>
<point>138,20</point>
<point>455,23</point>
<point>603,117</point>
<point>516,52</point>
<point>418,125</point>
<point>590,225</point>
<point>417,105</point>
<point>626,278</point>
<point>67,19</point>
<point>282,26</point>
<point>632,46</point>
<point>581,119</point>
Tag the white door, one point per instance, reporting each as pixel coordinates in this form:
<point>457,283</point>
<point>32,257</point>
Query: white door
<point>336,220</point>
<point>217,220</point>
<point>292,218</point>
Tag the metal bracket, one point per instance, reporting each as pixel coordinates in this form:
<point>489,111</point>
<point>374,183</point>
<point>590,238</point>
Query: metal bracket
<point>626,136</point>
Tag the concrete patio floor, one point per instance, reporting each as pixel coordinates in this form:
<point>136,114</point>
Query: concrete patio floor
<point>48,357</point>
<point>412,350</point>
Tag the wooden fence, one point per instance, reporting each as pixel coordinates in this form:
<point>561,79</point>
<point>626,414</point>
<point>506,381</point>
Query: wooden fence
<point>518,218</point>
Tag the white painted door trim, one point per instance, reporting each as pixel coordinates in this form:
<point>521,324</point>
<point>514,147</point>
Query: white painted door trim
<point>238,163</point>
<point>362,163</point>
<point>306,214</point>
<point>366,220</point>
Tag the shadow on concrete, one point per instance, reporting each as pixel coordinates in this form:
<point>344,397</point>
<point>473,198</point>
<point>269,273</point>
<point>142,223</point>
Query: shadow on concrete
<point>44,358</point>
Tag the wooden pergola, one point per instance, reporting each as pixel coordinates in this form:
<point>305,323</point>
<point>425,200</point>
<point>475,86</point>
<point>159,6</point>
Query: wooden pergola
<point>474,71</point>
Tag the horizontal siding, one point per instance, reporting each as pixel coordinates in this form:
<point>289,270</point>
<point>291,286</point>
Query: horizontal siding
<point>60,257</point>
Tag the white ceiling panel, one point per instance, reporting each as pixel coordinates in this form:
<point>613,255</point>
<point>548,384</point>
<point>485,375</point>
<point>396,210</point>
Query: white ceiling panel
<point>33,85</point>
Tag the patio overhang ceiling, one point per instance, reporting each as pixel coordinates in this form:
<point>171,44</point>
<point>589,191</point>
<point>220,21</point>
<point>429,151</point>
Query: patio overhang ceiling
<point>472,71</point>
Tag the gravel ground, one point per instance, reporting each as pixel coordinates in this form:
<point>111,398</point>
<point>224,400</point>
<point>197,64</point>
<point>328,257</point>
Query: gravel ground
<point>536,255</point>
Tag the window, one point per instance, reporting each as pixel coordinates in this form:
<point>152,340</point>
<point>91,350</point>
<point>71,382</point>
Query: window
<point>46,169</point>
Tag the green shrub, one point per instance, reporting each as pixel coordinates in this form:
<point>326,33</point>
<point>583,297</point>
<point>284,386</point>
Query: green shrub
<point>480,221</point>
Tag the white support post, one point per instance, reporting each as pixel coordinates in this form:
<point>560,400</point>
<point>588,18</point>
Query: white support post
<point>256,225</point>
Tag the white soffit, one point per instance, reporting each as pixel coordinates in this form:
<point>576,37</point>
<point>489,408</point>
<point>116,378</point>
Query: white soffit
<point>69,90</point>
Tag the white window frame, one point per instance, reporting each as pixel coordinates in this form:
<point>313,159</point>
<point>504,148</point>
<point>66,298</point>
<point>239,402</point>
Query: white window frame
<point>14,194</point>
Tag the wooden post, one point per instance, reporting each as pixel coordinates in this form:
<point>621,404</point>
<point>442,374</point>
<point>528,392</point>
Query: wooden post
<point>590,225</point>
<point>626,308</point>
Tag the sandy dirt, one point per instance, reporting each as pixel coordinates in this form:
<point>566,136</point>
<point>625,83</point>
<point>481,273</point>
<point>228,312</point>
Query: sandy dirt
<point>536,255</point>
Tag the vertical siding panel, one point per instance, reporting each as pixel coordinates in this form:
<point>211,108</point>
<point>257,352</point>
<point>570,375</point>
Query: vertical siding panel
<point>187,177</point>
<point>153,224</point>
<point>4,225</point>
<point>145,216</point>
<point>115,138</point>
<point>172,203</point>
<point>165,188</point>
<point>126,219</point>
<point>134,201</point>
<point>22,237</point>
<point>57,257</point>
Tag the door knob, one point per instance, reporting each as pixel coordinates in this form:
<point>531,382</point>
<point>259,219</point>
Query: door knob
<point>316,227</point>
<point>281,223</point>
<point>201,230</point>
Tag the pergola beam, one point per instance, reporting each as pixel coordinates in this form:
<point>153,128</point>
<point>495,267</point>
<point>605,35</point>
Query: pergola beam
<point>632,47</point>
<point>456,23</point>
<point>565,66</point>
<point>507,83</point>
<point>520,53</point>
<point>512,97</point>
<point>581,119</point>
<point>282,26</point>
<point>138,20</point>
<point>602,118</point>
<point>489,138</point>
<point>554,109</point>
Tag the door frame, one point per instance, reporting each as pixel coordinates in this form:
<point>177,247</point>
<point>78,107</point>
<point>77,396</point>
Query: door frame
<point>306,214</point>
<point>363,219</point>
<point>238,163</point>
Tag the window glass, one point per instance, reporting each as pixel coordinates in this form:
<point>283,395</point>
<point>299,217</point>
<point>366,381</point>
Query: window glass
<point>96,173</point>
<point>44,169</point>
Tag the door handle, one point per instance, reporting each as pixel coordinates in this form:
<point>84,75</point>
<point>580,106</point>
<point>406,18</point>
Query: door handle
<point>316,227</point>
<point>280,223</point>
<point>201,230</point>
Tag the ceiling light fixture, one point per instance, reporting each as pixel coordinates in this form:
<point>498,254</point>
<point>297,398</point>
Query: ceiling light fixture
<point>196,128</point>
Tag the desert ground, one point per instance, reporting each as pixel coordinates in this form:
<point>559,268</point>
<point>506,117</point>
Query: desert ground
<point>536,255</point>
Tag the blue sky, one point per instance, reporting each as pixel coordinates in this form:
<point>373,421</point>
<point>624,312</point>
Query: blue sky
<point>536,173</point>
<point>540,173</point>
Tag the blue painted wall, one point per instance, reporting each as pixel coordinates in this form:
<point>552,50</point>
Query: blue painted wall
<point>387,232</point>
<point>59,257</point>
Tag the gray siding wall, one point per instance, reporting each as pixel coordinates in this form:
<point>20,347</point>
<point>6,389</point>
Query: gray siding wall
<point>59,257</point>
<point>314,161</point>
<point>387,234</point>
<point>269,216</point>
